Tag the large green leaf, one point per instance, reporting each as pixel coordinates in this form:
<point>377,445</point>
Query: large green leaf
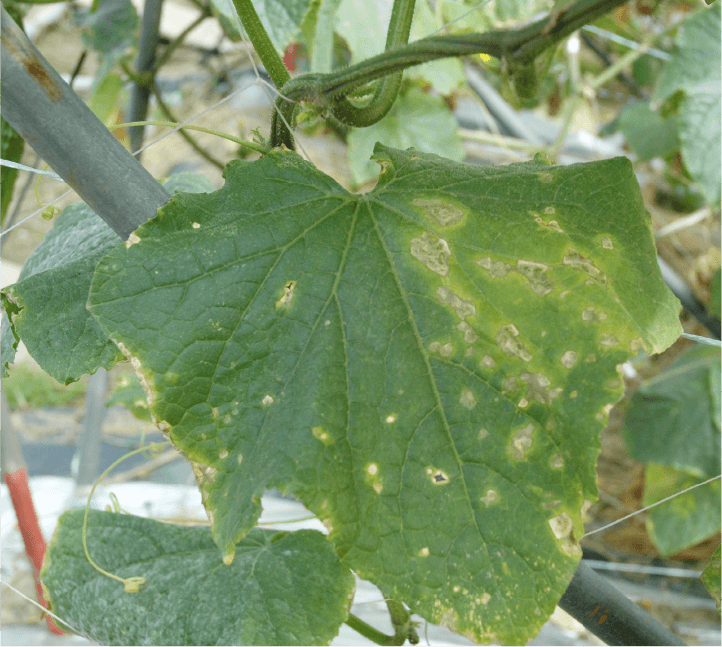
<point>426,366</point>
<point>675,418</point>
<point>282,588</point>
<point>47,305</point>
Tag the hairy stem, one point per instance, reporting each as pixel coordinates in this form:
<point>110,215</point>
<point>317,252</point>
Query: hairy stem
<point>515,45</point>
<point>262,42</point>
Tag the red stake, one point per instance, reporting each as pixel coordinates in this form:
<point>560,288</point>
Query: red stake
<point>16,477</point>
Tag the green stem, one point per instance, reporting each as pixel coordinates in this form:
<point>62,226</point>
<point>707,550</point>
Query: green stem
<point>367,631</point>
<point>388,88</point>
<point>262,43</point>
<point>253,146</point>
<point>401,620</point>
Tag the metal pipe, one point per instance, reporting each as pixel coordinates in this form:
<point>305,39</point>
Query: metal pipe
<point>71,139</point>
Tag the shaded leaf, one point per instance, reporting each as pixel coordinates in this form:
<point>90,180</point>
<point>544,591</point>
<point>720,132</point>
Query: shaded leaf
<point>685,520</point>
<point>648,133</point>
<point>129,394</point>
<point>8,346</point>
<point>47,304</point>
<point>426,366</point>
<point>12,150</point>
<point>282,588</point>
<point>674,418</point>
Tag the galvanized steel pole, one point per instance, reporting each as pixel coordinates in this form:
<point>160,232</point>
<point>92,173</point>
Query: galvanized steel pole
<point>71,139</point>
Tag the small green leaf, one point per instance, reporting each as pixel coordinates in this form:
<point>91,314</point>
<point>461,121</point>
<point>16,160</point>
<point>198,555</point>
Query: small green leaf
<point>282,588</point>
<point>711,577</point>
<point>715,289</point>
<point>675,418</point>
<point>685,520</point>
<point>8,345</point>
<point>130,394</point>
<point>426,366</point>
<point>648,134</point>
<point>46,306</point>
<point>417,120</point>
<point>187,183</point>
<point>281,18</point>
<point>104,101</point>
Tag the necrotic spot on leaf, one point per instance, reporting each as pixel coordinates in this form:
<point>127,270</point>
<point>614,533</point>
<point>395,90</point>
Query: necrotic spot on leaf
<point>467,399</point>
<point>607,242</point>
<point>440,211</point>
<point>491,497</point>
<point>535,273</point>
<point>569,359</point>
<point>488,362</point>
<point>470,335</point>
<point>445,350</point>
<point>267,400</point>
<point>574,259</point>
<point>522,441</point>
<point>510,346</point>
<point>557,461</point>
<point>538,387</point>
<point>497,269</point>
<point>608,341</point>
<point>463,307</point>
<point>285,300</point>
<point>424,552</point>
<point>432,251</point>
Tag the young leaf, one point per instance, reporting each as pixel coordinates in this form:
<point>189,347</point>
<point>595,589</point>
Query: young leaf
<point>282,588</point>
<point>426,366</point>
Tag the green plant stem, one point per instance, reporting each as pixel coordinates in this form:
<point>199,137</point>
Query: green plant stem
<point>367,631</point>
<point>168,113</point>
<point>253,146</point>
<point>401,620</point>
<point>262,42</point>
<point>206,13</point>
<point>388,88</point>
<point>516,46</point>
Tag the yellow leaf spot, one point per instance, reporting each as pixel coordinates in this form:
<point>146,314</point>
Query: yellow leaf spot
<point>432,251</point>
<point>467,399</point>
<point>439,211</point>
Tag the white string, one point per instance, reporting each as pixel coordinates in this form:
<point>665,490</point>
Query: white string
<point>44,610</point>
<point>614,523</point>
<point>30,169</point>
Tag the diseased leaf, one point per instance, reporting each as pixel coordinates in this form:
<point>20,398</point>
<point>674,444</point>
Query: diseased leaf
<point>674,418</point>
<point>129,394</point>
<point>685,520</point>
<point>426,366</point>
<point>282,588</point>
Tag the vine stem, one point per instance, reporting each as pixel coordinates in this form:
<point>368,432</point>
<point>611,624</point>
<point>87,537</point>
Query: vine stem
<point>130,584</point>
<point>259,148</point>
<point>367,631</point>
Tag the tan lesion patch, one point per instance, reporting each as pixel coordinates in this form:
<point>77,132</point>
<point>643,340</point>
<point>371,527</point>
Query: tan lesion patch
<point>445,350</point>
<point>490,498</point>
<point>575,260</point>
<point>539,390</point>
<point>463,307</point>
<point>609,341</point>
<point>569,359</point>
<point>285,300</point>
<point>441,212</point>
<point>432,251</point>
<point>522,441</point>
<point>497,269</point>
<point>509,345</point>
<point>469,333</point>
<point>467,399</point>
<point>534,273</point>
